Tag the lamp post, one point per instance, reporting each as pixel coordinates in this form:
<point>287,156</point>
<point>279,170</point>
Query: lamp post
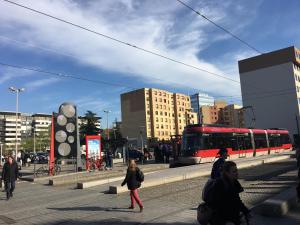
<point>107,131</point>
<point>34,150</point>
<point>1,146</point>
<point>17,91</point>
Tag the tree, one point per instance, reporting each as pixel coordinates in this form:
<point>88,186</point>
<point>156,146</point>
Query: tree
<point>89,126</point>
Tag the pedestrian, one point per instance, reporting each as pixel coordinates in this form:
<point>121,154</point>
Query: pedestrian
<point>109,156</point>
<point>9,175</point>
<point>226,203</point>
<point>217,166</point>
<point>133,179</point>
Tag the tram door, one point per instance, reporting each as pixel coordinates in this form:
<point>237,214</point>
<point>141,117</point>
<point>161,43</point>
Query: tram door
<point>239,145</point>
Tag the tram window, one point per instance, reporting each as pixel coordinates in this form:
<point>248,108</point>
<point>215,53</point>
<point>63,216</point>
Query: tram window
<point>274,140</point>
<point>219,140</point>
<point>285,139</point>
<point>260,141</point>
<point>192,141</point>
<point>241,141</point>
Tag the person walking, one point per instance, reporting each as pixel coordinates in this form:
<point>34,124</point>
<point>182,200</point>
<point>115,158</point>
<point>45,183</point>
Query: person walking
<point>226,203</point>
<point>9,175</point>
<point>133,179</point>
<point>217,166</point>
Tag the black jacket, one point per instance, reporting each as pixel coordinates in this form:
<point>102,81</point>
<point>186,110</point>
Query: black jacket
<point>226,203</point>
<point>131,179</point>
<point>10,172</point>
<point>217,167</point>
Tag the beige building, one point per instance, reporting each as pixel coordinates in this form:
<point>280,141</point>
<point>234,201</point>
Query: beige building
<point>212,114</point>
<point>233,115</point>
<point>223,114</point>
<point>270,85</point>
<point>154,113</point>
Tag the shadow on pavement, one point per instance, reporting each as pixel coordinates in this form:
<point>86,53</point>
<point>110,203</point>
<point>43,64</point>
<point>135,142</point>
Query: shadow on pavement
<point>93,208</point>
<point>112,221</point>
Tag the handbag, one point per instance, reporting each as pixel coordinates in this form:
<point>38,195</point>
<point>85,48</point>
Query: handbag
<point>204,213</point>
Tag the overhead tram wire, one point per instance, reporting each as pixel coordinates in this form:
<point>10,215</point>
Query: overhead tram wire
<point>220,27</point>
<point>123,42</point>
<point>62,75</point>
<point>74,57</point>
<point>69,76</point>
<point>227,31</point>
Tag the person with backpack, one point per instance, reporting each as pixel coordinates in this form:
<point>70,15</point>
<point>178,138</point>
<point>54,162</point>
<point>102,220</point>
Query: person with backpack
<point>217,166</point>
<point>224,199</point>
<point>134,178</point>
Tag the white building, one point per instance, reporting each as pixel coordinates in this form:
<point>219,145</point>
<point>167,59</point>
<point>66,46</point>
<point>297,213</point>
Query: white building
<point>270,86</point>
<point>29,125</point>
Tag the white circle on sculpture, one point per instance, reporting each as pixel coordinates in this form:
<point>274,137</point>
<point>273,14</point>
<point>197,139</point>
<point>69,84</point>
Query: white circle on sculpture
<point>71,139</point>
<point>61,120</point>
<point>68,110</point>
<point>60,136</point>
<point>64,149</point>
<point>70,127</point>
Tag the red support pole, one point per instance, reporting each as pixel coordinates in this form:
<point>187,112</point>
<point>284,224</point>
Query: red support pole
<point>51,163</point>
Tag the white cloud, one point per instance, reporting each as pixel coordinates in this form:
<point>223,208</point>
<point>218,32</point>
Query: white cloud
<point>11,74</point>
<point>33,85</point>
<point>153,25</point>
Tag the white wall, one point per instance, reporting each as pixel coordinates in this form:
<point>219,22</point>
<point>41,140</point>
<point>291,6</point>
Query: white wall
<point>271,109</point>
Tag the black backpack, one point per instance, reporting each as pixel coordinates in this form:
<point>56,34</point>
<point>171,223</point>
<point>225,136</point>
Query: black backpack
<point>139,175</point>
<point>208,190</point>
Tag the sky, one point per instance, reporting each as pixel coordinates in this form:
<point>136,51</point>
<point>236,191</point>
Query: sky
<point>107,68</point>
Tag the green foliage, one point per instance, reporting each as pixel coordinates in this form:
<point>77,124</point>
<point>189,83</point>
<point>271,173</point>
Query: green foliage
<point>89,127</point>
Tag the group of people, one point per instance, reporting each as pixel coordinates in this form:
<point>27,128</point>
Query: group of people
<point>162,152</point>
<point>224,200</point>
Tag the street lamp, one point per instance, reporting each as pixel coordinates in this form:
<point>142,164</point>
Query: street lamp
<point>17,91</point>
<point>107,112</point>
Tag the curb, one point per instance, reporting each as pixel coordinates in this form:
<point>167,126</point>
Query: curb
<point>279,204</point>
<point>117,189</point>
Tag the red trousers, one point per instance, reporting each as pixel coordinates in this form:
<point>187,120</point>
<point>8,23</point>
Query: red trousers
<point>134,197</point>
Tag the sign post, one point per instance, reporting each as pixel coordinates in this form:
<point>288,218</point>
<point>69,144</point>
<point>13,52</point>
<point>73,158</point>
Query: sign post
<point>93,148</point>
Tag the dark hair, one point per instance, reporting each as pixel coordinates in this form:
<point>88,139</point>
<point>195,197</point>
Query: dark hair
<point>223,151</point>
<point>227,166</point>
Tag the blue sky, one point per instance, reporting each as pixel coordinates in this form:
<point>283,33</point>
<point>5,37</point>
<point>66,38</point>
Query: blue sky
<point>166,27</point>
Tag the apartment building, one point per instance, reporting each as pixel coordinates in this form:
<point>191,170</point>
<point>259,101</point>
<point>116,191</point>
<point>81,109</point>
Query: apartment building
<point>270,85</point>
<point>154,113</point>
<point>8,134</point>
<point>233,116</point>
<point>29,125</point>
<point>213,114</point>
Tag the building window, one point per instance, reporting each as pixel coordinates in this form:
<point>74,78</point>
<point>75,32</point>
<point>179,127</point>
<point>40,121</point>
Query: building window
<point>156,112</point>
<point>166,114</point>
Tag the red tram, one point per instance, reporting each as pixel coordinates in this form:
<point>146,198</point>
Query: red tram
<point>200,143</point>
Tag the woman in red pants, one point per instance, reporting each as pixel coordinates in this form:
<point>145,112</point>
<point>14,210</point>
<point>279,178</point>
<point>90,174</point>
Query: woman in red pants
<point>134,177</point>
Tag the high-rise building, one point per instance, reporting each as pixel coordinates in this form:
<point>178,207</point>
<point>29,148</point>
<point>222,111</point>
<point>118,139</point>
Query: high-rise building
<point>201,99</point>
<point>154,113</point>
<point>270,86</point>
